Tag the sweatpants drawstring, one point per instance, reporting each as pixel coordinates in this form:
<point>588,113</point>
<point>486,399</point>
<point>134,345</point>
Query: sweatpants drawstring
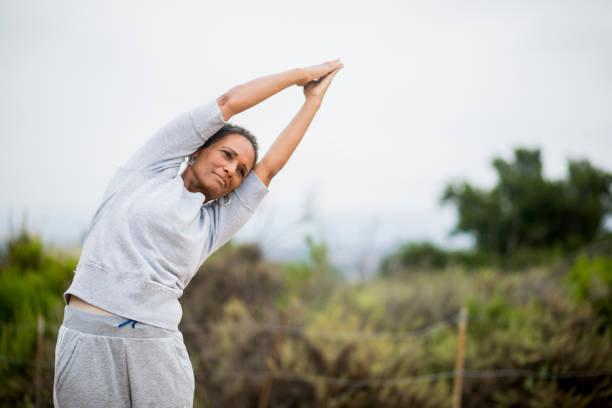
<point>128,321</point>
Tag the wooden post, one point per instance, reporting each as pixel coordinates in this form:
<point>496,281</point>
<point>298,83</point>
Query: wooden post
<point>264,397</point>
<point>39,361</point>
<point>459,362</point>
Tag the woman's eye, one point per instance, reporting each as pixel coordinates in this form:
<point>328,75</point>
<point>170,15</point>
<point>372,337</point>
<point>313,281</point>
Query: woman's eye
<point>227,154</point>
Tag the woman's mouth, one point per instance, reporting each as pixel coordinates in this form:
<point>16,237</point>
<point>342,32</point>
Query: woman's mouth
<point>221,180</point>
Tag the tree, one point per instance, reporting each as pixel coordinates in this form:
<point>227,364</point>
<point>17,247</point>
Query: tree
<point>524,210</point>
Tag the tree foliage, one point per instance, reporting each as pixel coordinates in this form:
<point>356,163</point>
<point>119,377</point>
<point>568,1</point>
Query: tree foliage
<point>525,210</point>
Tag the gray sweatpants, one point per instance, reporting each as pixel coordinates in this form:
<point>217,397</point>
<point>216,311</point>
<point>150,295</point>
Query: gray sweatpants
<point>98,364</point>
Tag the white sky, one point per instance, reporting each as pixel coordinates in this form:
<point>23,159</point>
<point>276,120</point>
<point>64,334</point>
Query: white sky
<point>430,93</point>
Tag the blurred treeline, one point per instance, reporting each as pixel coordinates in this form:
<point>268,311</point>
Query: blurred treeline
<point>539,331</point>
<point>523,220</point>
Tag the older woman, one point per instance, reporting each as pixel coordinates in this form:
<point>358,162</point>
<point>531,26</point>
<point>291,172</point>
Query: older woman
<point>119,344</point>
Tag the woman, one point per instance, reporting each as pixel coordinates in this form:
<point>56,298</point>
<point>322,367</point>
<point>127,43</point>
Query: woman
<point>119,344</point>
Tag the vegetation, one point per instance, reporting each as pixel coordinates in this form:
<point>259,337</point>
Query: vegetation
<point>533,322</point>
<point>252,325</point>
<point>524,220</point>
<point>539,330</point>
<point>526,211</point>
<point>590,281</point>
<point>32,280</point>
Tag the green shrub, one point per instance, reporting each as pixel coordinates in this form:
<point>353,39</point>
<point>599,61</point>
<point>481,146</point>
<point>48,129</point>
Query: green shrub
<point>32,281</point>
<point>418,255</point>
<point>590,281</point>
<point>425,256</point>
<point>313,278</point>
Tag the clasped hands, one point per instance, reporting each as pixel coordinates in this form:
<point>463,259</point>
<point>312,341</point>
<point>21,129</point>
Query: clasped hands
<point>316,78</point>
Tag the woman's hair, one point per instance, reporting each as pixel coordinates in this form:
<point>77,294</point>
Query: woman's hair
<point>230,129</point>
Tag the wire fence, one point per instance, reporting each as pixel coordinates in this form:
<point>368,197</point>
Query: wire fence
<point>403,381</point>
<point>369,382</point>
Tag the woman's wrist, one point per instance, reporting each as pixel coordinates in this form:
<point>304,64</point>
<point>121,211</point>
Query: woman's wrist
<point>302,77</point>
<point>295,76</point>
<point>313,102</point>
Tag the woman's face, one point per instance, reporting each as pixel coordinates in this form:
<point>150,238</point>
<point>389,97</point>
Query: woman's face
<point>222,166</point>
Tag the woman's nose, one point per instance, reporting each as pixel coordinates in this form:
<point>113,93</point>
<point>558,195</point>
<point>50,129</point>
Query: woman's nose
<point>231,168</point>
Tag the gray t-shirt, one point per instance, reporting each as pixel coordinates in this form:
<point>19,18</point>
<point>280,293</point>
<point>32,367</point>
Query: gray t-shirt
<point>150,235</point>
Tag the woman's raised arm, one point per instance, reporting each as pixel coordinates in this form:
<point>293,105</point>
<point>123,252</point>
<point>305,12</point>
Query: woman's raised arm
<point>242,97</point>
<point>285,144</point>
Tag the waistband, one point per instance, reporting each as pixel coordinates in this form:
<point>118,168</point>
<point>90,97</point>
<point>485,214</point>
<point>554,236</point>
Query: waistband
<point>108,325</point>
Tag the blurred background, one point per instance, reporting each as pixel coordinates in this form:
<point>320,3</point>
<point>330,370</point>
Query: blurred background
<point>460,161</point>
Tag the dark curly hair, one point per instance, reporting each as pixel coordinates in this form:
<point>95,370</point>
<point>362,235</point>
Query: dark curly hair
<point>230,129</point>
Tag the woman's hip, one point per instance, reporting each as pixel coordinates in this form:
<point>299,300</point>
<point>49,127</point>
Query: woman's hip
<point>100,362</point>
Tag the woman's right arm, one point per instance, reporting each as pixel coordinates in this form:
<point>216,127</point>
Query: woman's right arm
<point>285,144</point>
<point>244,96</point>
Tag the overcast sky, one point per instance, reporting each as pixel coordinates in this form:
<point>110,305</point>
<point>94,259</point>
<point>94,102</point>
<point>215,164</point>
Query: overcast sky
<point>430,93</point>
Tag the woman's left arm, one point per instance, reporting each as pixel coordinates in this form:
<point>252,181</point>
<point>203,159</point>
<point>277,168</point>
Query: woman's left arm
<point>244,96</point>
<point>286,143</point>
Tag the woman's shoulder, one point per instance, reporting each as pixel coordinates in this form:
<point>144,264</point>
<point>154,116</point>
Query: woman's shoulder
<point>251,191</point>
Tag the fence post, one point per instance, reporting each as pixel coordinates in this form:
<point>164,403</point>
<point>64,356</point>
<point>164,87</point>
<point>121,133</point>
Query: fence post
<point>459,362</point>
<point>39,360</point>
<point>264,397</point>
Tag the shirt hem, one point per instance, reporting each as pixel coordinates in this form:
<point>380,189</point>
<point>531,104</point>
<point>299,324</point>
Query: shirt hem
<point>110,290</point>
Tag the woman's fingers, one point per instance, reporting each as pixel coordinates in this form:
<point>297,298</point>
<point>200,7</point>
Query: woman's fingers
<point>319,71</point>
<point>332,65</point>
<point>325,68</point>
<point>324,82</point>
<point>328,77</point>
<point>318,87</point>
